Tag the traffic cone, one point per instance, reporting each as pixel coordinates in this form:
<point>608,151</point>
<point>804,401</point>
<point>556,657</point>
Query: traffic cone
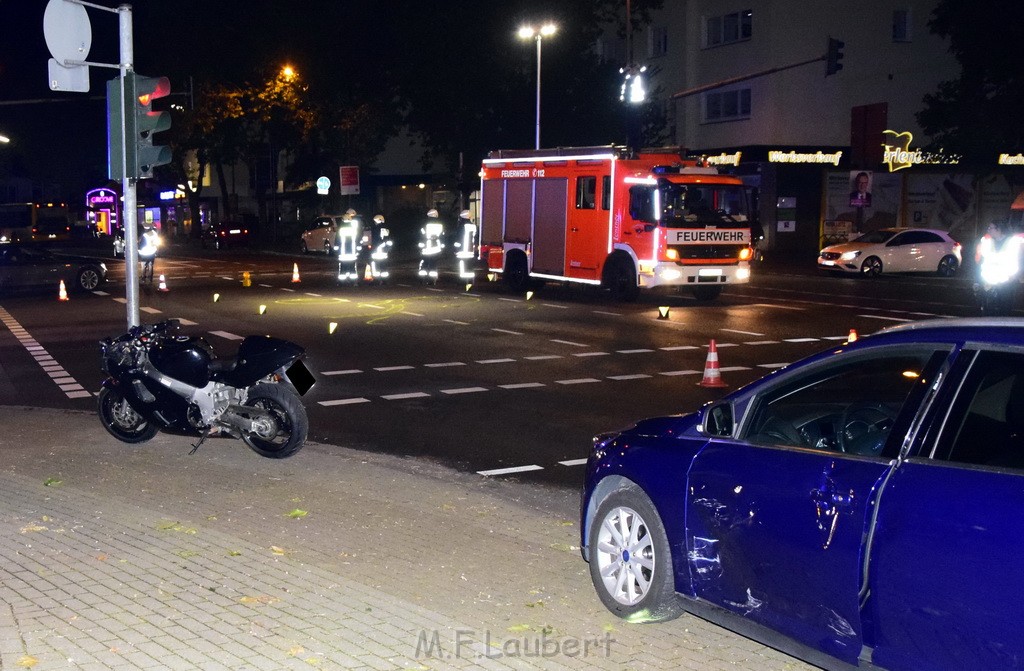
<point>62,295</point>
<point>163,284</point>
<point>712,374</point>
<point>852,337</point>
<point>367,275</point>
<point>295,273</point>
<point>246,279</point>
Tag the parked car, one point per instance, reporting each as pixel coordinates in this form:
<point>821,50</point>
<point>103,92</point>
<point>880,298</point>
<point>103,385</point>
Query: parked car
<point>321,238</point>
<point>225,234</point>
<point>25,265</point>
<point>858,508</point>
<point>895,250</point>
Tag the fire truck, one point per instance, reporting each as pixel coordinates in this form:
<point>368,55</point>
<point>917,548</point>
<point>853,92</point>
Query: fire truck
<point>615,218</point>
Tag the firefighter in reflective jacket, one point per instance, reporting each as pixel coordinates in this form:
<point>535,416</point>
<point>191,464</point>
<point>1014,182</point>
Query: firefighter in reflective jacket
<point>465,244</point>
<point>431,244</point>
<point>149,241</point>
<point>348,244</point>
<point>380,248</point>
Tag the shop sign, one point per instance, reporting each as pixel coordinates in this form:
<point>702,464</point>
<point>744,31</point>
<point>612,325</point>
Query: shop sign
<point>723,159</point>
<point>777,156</point>
<point>897,153</point>
<point>1011,159</point>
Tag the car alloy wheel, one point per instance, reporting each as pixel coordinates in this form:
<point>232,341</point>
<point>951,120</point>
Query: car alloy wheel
<point>871,267</point>
<point>948,266</point>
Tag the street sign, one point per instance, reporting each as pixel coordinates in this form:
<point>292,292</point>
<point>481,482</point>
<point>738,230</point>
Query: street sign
<point>68,35</point>
<point>323,186</point>
<point>349,180</point>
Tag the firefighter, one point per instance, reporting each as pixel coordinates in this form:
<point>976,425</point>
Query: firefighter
<point>148,243</point>
<point>465,244</point>
<point>431,244</point>
<point>380,248</point>
<point>348,245</point>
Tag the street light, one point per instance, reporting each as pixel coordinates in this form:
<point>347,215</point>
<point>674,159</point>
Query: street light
<point>4,139</point>
<point>529,32</point>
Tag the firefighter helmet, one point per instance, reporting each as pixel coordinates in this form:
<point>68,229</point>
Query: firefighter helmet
<point>378,219</point>
<point>432,213</point>
<point>466,214</point>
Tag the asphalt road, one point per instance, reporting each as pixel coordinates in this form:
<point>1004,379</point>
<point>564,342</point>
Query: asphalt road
<point>510,386</point>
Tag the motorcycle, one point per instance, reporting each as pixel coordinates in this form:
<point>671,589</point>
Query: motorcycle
<point>158,380</point>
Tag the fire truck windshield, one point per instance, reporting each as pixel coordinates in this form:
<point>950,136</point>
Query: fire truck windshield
<point>687,204</point>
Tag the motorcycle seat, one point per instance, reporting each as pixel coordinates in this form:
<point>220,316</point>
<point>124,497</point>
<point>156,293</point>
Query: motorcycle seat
<point>223,365</point>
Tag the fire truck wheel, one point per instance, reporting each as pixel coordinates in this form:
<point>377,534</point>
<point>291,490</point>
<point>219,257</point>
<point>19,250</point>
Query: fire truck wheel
<point>516,274</point>
<point>620,278</point>
<point>706,293</point>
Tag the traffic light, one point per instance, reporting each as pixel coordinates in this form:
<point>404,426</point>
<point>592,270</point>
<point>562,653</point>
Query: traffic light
<point>144,90</point>
<point>130,135</point>
<point>834,56</point>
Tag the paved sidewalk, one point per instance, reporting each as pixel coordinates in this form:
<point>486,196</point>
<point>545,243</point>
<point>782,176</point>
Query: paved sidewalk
<point>142,557</point>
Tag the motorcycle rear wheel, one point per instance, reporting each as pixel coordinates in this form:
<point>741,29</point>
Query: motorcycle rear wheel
<point>121,421</point>
<point>289,434</point>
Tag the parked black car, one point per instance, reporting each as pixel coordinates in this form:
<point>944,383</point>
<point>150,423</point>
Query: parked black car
<point>25,265</point>
<point>225,234</point>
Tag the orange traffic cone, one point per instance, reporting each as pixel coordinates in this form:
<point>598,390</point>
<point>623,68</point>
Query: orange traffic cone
<point>62,295</point>
<point>163,284</point>
<point>295,273</point>
<point>712,374</point>
<point>852,337</point>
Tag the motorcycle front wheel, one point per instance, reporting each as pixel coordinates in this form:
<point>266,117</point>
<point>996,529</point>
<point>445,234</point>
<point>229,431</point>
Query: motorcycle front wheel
<point>284,432</point>
<point>121,421</point>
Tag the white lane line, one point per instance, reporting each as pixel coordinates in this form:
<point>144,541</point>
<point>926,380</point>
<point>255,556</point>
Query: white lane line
<point>569,342</point>
<point>495,360</point>
<point>724,344</point>
<point>434,289</point>
<point>543,357</point>
<point>310,293</point>
<point>610,314</point>
<point>455,321</point>
<point>350,371</point>
<point>772,365</point>
<point>510,300</point>
<point>345,401</point>
<point>836,337</point>
<point>412,314</point>
<point>582,354</point>
<point>574,462</point>
<point>226,335</point>
<point>508,471</point>
<point>677,348</point>
<point>446,364</point>
<point>749,333</point>
<point>727,369</point>
<point>579,380</point>
<point>798,340</point>
<point>507,331</point>
<point>152,311</point>
<point>120,300</point>
<point>552,305</point>
<point>60,377</point>
<point>388,369</point>
<point>888,319</point>
<point>265,286</point>
<point>680,372</point>
<point>463,390</point>
<point>773,305</point>
<point>402,397</point>
<point>522,385</point>
<point>292,291</point>
<point>635,376</point>
<point>186,322</point>
<point>762,342</point>
<point>642,350</point>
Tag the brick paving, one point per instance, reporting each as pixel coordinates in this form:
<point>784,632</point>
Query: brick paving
<point>115,556</point>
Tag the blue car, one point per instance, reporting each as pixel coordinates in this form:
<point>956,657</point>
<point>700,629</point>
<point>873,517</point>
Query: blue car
<point>862,508</point>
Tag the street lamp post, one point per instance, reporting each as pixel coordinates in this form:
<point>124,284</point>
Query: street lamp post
<point>537,34</point>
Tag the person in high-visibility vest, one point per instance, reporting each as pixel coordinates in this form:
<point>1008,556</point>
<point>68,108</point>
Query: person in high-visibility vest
<point>149,241</point>
<point>998,256</point>
<point>465,244</point>
<point>380,249</point>
<point>431,244</point>
<point>348,246</point>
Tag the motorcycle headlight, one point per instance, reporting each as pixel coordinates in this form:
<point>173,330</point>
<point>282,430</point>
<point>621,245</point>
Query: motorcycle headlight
<point>850,256</point>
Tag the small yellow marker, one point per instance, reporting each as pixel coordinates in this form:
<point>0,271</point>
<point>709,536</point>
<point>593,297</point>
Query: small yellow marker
<point>529,295</point>
<point>246,279</point>
<point>490,277</point>
<point>468,287</point>
<point>263,309</point>
<point>216,297</point>
<point>332,327</point>
<point>663,312</point>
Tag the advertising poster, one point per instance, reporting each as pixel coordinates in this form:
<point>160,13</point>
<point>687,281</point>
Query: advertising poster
<point>860,201</point>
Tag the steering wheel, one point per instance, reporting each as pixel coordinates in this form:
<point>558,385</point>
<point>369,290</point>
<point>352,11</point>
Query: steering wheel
<point>864,428</point>
<point>781,432</point>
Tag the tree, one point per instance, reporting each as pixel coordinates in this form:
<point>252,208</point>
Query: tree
<point>979,114</point>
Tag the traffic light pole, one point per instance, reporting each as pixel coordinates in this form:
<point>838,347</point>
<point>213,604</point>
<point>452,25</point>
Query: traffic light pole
<point>130,210</point>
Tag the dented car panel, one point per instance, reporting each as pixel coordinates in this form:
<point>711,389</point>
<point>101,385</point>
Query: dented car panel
<point>879,530</point>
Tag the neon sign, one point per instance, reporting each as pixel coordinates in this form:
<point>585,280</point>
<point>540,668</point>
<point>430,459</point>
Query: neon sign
<point>795,157</point>
<point>1011,159</point>
<point>898,154</point>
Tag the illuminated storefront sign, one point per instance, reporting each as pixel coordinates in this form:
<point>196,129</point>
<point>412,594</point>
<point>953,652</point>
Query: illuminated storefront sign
<point>776,156</point>
<point>723,159</point>
<point>1011,159</point>
<point>172,195</point>
<point>898,155</point>
<point>101,212</point>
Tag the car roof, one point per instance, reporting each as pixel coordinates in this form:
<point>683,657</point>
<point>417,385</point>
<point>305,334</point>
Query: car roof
<point>1007,330</point>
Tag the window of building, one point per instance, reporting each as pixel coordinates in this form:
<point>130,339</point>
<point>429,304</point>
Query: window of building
<point>586,192</point>
<point>729,28</point>
<point>727,105</point>
<point>901,25</point>
<point>657,41</point>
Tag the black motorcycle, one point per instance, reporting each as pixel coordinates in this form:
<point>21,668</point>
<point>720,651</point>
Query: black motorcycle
<point>159,380</point>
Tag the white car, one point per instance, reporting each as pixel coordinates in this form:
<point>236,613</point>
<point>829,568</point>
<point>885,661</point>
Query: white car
<point>895,250</point>
<point>321,238</point>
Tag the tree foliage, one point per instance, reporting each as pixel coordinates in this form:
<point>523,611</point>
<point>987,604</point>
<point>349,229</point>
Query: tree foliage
<point>978,114</point>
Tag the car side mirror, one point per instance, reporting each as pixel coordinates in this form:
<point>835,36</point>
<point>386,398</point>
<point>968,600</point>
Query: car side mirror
<point>718,420</point>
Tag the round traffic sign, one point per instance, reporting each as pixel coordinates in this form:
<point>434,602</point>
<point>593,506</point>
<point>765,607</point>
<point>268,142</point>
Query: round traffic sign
<point>67,31</point>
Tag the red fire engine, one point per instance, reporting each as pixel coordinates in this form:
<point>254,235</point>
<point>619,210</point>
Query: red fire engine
<point>609,217</point>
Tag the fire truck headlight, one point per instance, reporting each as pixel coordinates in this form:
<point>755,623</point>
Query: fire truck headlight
<point>672,254</point>
<point>743,273</point>
<point>670,274</point>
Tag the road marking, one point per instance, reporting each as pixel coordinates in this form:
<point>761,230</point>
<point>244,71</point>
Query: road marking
<point>507,331</point>
<point>412,314</point>
<point>345,401</point>
<point>888,319</point>
<point>749,333</point>
<point>350,371</point>
<point>288,290</point>
<point>185,322</point>
<point>680,372</point>
<point>772,365</point>
<point>510,300</point>
<point>386,369</point>
<point>496,360</point>
<point>522,385</point>
<point>582,354</point>
<point>845,337</point>
<point>463,390</point>
<point>148,310</point>
<point>798,340</point>
<point>265,286</point>
<point>634,376</point>
<point>309,293</point>
<point>54,371</point>
<point>642,350</point>
<point>508,471</point>
<point>552,305</point>
<point>676,348</point>
<point>226,335</point>
<point>446,364</point>
<point>456,321</point>
<point>401,397</point>
<point>569,342</point>
<point>574,462</point>
<point>579,380</point>
<point>762,342</point>
<point>734,368</point>
<point>773,305</point>
<point>543,357</point>
<point>610,314</point>
<point>371,305</point>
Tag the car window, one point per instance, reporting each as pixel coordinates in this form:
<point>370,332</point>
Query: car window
<point>926,237</point>
<point>901,239</point>
<point>852,406</point>
<point>985,425</point>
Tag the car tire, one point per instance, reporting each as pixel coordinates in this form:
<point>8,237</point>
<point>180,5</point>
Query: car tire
<point>948,266</point>
<point>88,279</point>
<point>305,249</point>
<point>872,267</point>
<point>630,560</point>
